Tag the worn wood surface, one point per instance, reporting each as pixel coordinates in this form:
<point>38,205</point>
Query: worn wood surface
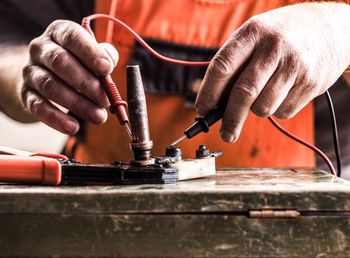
<point>200,218</point>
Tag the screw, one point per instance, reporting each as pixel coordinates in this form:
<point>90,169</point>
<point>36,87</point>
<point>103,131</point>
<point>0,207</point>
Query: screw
<point>202,152</point>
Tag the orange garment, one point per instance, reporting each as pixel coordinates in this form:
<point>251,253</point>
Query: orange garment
<point>204,23</point>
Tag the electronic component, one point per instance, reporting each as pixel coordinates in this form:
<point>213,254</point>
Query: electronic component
<point>202,165</point>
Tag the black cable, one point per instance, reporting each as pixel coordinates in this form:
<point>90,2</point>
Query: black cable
<point>335,132</point>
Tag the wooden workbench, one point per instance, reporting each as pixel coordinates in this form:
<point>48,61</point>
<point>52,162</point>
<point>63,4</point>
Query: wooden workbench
<point>238,213</point>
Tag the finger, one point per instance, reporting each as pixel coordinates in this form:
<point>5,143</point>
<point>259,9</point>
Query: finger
<point>226,63</point>
<point>275,91</point>
<point>54,89</point>
<point>298,97</point>
<point>44,111</point>
<point>69,69</point>
<point>112,51</point>
<point>247,88</point>
<point>78,41</point>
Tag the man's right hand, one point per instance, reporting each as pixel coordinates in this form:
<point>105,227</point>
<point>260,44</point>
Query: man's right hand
<point>64,65</point>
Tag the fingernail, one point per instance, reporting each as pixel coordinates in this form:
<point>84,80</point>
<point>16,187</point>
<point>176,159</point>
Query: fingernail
<point>226,136</point>
<point>70,126</point>
<point>103,65</point>
<point>99,116</point>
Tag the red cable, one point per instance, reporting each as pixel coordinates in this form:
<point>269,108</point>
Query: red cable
<point>143,43</point>
<point>110,26</point>
<point>86,25</point>
<point>308,145</point>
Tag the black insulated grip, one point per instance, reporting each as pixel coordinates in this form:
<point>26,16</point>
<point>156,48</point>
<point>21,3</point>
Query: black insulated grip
<point>202,124</point>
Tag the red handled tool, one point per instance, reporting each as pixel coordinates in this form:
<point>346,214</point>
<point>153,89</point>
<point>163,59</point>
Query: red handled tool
<point>17,166</point>
<point>30,170</point>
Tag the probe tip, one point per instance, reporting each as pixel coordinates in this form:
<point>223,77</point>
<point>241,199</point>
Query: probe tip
<point>178,140</point>
<point>127,128</point>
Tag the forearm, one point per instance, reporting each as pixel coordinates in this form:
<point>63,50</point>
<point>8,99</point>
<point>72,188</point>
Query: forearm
<point>11,65</point>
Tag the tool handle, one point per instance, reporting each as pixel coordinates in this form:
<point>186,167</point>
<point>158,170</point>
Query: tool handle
<point>203,123</point>
<point>214,115</point>
<point>118,105</point>
<point>33,170</point>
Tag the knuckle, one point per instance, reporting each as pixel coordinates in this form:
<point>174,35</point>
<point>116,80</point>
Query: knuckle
<point>70,34</point>
<point>245,91</point>
<point>35,105</point>
<point>276,39</point>
<point>55,24</point>
<point>27,71</point>
<point>60,26</point>
<point>35,47</point>
<point>308,78</point>
<point>254,26</point>
<point>58,58</point>
<point>47,85</point>
<point>289,66</point>
<point>221,65</point>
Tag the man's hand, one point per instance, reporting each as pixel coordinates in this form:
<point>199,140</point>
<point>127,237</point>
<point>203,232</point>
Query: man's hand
<point>64,65</point>
<point>277,62</point>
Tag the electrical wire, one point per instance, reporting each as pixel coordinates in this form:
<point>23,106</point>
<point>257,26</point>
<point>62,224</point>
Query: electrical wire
<point>334,132</point>
<point>86,22</point>
<point>110,26</point>
<point>308,145</point>
<point>138,38</point>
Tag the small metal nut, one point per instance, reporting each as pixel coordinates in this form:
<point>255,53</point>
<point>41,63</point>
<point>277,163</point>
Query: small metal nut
<point>172,151</point>
<point>202,152</point>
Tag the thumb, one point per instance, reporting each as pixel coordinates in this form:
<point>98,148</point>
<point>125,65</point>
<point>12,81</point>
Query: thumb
<point>112,53</point>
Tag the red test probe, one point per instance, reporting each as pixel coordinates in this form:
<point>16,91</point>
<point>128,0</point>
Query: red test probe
<point>118,105</point>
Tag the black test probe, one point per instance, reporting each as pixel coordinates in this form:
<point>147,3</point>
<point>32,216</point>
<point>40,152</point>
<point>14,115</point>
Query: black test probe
<point>202,123</point>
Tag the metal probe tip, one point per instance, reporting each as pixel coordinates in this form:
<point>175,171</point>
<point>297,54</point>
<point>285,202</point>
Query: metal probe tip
<point>178,140</point>
<point>127,128</point>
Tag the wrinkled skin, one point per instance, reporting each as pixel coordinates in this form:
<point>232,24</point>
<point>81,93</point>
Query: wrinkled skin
<point>275,64</point>
<point>64,65</point>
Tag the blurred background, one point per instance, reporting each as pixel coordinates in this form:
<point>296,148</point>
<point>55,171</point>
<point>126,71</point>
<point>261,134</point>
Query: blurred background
<point>30,137</point>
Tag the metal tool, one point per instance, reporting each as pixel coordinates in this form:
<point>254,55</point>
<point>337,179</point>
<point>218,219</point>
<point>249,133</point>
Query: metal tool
<point>141,143</point>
